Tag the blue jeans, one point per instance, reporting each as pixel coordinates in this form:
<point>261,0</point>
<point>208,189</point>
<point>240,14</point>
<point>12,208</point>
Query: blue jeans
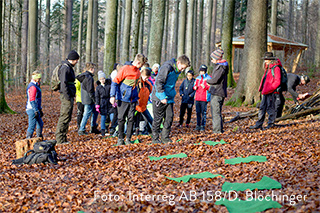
<point>103,120</point>
<point>201,109</point>
<point>32,121</point>
<point>88,109</point>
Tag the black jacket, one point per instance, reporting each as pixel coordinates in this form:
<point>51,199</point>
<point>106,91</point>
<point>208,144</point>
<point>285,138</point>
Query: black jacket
<point>187,92</point>
<point>67,78</point>
<point>103,97</point>
<point>293,81</point>
<point>87,88</point>
<point>219,80</point>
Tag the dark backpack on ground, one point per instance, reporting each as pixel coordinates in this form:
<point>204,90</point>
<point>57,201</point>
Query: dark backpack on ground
<point>55,81</point>
<point>43,152</point>
<point>284,79</point>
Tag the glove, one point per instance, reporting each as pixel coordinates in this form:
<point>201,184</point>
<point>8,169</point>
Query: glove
<point>36,114</point>
<point>98,108</point>
<point>115,104</point>
<point>41,113</point>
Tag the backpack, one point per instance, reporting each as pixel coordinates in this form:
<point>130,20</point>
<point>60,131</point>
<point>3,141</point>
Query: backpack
<point>284,79</point>
<point>43,152</point>
<point>55,81</point>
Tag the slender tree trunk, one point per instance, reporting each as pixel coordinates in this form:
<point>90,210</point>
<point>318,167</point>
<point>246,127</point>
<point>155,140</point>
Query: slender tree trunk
<point>18,15</point>
<point>126,31</point>
<point>290,19</point>
<point>227,34</point>
<point>33,33</point>
<point>182,27</point>
<point>194,33</point>
<point>136,27</point>
<point>175,20</point>
<point>9,46</point>
<point>199,32</point>
<point>80,33</point>
<point>305,21</point>
<point>89,32</point>
<point>24,40</point>
<point>95,36</point>
<point>166,32</point>
<point>120,29</point>
<point>274,12</point>
<point>47,42</point>
<point>110,36</point>
<point>214,24</point>
<point>189,39</point>
<point>67,27</point>
<point>208,32</point>
<point>317,53</point>
<point>149,24</point>
<point>4,108</point>
<point>141,28</point>
<point>222,15</point>
<point>256,45</point>
<point>156,31</point>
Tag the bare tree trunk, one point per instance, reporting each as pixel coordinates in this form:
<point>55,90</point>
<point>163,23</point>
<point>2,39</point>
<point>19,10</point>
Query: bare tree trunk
<point>194,33</point>
<point>182,27</point>
<point>119,30</point>
<point>214,25</point>
<point>141,28</point>
<point>67,27</point>
<point>149,24</point>
<point>256,46</point>
<point>165,32</point>
<point>227,34</point>
<point>175,21</point>
<point>222,15</point>
<point>317,51</point>
<point>208,33</point>
<point>189,39</point>
<point>33,33</point>
<point>199,38</point>
<point>80,33</point>
<point>24,41</point>
<point>136,27</point>
<point>9,46</point>
<point>89,32</point>
<point>305,21</point>
<point>290,19</point>
<point>126,31</point>
<point>18,15</point>
<point>110,35</point>
<point>47,42</point>
<point>156,31</point>
<point>274,11</point>
<point>95,36</point>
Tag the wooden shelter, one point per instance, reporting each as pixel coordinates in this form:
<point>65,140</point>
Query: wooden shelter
<point>292,50</point>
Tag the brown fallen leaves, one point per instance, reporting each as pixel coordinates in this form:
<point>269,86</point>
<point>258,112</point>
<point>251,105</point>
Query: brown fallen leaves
<point>121,177</point>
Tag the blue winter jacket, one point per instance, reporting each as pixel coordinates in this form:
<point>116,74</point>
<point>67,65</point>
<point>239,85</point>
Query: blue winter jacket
<point>187,92</point>
<point>164,86</point>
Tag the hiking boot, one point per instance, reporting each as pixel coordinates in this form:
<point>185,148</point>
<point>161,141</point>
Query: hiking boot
<point>255,127</point>
<point>187,125</point>
<point>127,141</point>
<point>80,133</point>
<point>94,130</point>
<point>29,135</point>
<point>165,136</point>
<point>120,142</point>
<point>103,131</point>
<point>39,133</point>
<point>155,138</point>
<point>202,128</point>
<point>112,130</point>
<point>63,143</point>
<point>270,126</point>
<point>179,125</point>
<point>156,141</point>
<point>197,128</point>
<point>166,140</point>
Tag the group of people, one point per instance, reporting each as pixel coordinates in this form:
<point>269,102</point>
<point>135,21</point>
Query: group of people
<point>123,98</point>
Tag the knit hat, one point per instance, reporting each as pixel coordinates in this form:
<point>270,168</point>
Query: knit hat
<point>269,56</point>
<point>101,74</point>
<point>217,54</point>
<point>73,55</point>
<point>156,65</point>
<point>203,67</point>
<point>113,74</point>
<point>191,72</point>
<point>306,78</point>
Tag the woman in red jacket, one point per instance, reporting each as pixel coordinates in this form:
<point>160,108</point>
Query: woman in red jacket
<point>270,81</point>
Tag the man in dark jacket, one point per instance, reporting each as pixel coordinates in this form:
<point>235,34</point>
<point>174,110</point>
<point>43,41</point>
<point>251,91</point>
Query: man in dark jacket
<point>67,94</point>
<point>187,93</point>
<point>88,99</point>
<point>163,97</point>
<point>218,88</point>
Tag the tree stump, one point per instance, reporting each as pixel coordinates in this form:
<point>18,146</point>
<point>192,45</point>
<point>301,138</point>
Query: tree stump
<point>25,145</point>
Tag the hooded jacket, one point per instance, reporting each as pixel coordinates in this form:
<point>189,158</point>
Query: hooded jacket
<point>164,86</point>
<point>218,82</point>
<point>87,87</point>
<point>102,96</point>
<point>293,81</point>
<point>145,89</point>
<point>67,78</point>
<point>33,96</point>
<point>270,83</point>
<point>125,82</point>
<point>202,94</point>
<point>187,92</point>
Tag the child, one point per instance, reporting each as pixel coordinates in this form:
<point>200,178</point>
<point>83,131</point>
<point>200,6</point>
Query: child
<point>187,93</point>
<point>103,99</point>
<point>202,97</point>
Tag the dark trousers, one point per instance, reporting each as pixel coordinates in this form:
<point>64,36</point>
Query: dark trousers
<point>267,105</point>
<point>80,110</point>
<point>146,116</point>
<point>64,119</point>
<point>216,109</point>
<point>279,103</point>
<point>126,110</point>
<point>161,111</point>
<point>201,109</point>
<point>114,121</point>
<point>183,108</point>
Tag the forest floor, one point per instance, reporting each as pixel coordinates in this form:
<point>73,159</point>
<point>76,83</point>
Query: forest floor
<point>124,176</point>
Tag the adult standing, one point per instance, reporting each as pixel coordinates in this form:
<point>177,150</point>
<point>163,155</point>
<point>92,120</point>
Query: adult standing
<point>33,106</point>
<point>218,88</point>
<point>163,97</point>
<point>67,94</point>
<point>268,86</point>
